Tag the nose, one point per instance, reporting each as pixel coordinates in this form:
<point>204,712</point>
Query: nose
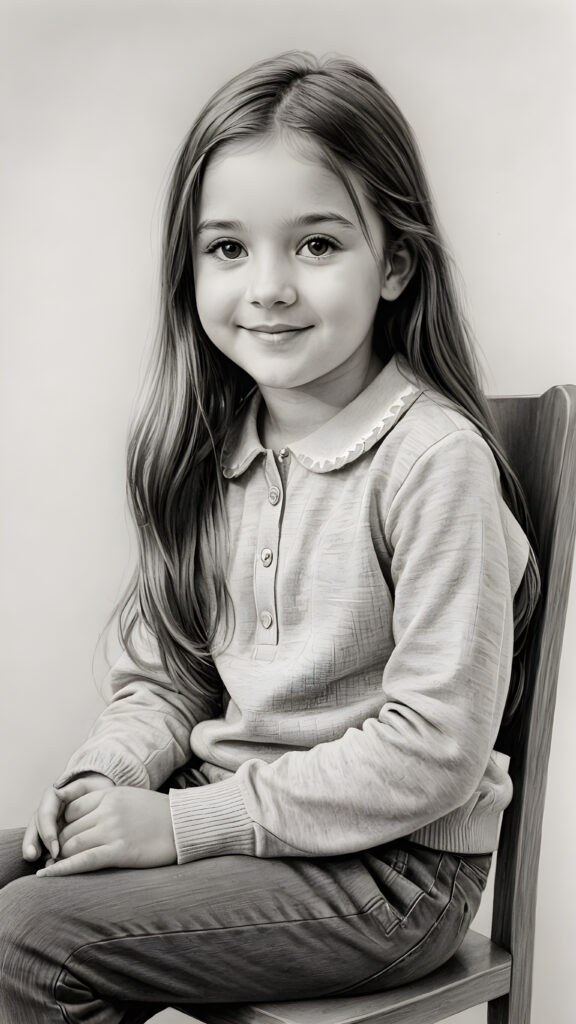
<point>271,284</point>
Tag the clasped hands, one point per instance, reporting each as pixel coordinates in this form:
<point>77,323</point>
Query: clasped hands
<point>91,824</point>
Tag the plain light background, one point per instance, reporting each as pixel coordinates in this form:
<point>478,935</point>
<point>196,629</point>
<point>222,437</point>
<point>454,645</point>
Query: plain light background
<point>95,99</point>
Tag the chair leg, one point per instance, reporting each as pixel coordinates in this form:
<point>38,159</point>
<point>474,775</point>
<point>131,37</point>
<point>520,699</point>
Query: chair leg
<point>499,1011</point>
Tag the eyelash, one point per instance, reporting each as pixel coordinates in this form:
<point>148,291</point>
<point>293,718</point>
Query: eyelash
<point>218,245</point>
<point>334,246</point>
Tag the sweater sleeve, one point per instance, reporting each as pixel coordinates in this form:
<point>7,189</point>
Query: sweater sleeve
<point>143,734</point>
<point>457,557</point>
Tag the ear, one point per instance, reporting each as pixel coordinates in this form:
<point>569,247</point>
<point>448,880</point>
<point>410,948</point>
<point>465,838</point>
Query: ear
<point>399,265</point>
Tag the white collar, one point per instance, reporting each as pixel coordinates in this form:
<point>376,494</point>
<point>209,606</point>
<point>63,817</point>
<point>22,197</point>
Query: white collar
<point>343,438</point>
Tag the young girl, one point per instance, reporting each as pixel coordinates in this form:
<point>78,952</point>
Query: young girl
<point>294,787</point>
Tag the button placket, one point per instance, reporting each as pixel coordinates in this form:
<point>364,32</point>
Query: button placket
<point>266,557</point>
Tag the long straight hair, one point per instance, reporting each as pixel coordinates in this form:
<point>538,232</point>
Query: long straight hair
<point>354,127</point>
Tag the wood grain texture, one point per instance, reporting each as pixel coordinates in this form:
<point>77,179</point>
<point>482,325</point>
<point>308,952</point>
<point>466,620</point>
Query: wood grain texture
<point>539,434</point>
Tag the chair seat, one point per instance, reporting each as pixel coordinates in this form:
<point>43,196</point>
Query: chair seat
<point>479,971</point>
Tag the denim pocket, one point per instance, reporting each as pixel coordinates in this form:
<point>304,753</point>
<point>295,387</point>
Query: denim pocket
<point>433,900</point>
<point>405,874</point>
<point>477,868</point>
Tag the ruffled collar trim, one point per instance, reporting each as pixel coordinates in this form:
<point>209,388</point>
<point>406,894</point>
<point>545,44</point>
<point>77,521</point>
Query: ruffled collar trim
<point>339,441</point>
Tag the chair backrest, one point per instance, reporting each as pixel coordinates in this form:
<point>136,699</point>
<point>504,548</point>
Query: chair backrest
<point>539,435</point>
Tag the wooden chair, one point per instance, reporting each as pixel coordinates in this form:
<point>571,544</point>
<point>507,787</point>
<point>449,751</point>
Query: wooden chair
<point>539,435</point>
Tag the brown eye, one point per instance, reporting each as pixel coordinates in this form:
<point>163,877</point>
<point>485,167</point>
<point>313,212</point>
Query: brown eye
<point>319,246</point>
<point>225,249</point>
<point>231,250</point>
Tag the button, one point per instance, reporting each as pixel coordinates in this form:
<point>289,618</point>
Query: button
<point>266,619</point>
<point>283,454</point>
<point>274,495</point>
<point>266,556</point>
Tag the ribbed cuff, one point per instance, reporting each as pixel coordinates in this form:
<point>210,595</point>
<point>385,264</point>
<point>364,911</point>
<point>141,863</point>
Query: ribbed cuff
<point>115,767</point>
<point>210,821</point>
<point>457,835</point>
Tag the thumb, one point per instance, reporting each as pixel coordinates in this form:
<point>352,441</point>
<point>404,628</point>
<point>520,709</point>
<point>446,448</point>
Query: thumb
<point>79,787</point>
<point>71,790</point>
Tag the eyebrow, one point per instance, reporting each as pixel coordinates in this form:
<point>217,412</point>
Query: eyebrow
<point>306,220</point>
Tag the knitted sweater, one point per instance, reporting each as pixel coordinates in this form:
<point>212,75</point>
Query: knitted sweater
<point>371,567</point>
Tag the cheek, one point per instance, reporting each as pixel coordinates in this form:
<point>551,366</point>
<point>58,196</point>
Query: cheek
<point>212,296</point>
<point>352,298</point>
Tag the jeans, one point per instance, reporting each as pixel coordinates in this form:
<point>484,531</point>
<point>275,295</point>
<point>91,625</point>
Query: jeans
<point>120,945</point>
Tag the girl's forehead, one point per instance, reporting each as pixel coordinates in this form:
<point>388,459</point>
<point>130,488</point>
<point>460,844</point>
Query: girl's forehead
<point>271,176</point>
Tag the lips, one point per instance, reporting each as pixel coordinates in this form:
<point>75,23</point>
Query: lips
<point>274,328</point>
<point>276,335</point>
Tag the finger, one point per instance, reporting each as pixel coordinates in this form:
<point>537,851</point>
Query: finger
<point>31,843</point>
<point>89,860</point>
<point>79,787</point>
<point>47,821</point>
<point>90,783</point>
<point>82,805</point>
<point>81,827</point>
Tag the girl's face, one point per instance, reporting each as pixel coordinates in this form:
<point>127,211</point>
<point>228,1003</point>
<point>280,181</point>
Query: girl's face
<point>286,283</point>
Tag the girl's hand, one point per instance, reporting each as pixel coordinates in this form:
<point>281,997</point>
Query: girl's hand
<point>123,827</point>
<point>45,825</point>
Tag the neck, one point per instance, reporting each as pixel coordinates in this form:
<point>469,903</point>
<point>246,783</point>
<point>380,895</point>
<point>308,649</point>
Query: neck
<point>289,414</point>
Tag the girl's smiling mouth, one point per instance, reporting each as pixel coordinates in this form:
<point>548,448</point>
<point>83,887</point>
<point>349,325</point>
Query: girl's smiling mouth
<point>275,332</point>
